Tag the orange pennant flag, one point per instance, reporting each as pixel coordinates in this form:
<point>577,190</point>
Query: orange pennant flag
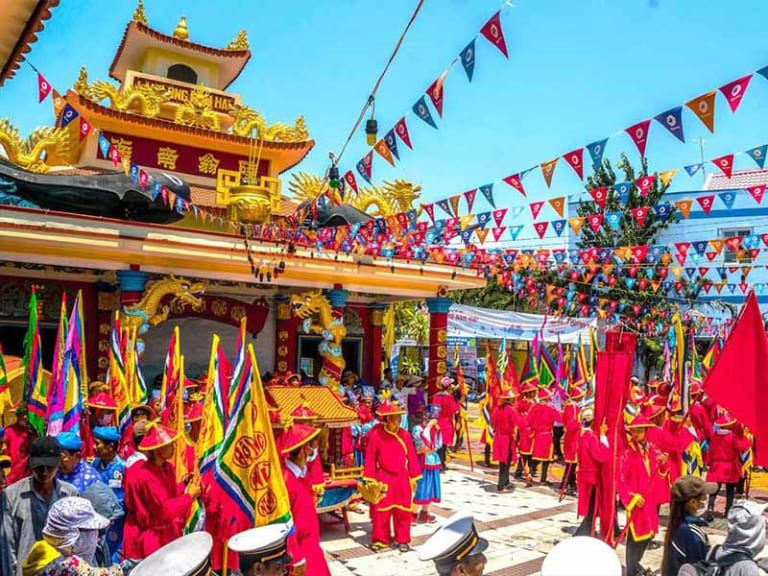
<point>58,103</point>
<point>548,169</point>
<point>454,200</point>
<point>677,272</point>
<point>558,204</point>
<point>384,151</point>
<point>576,224</point>
<point>666,258</point>
<point>666,177</point>
<point>704,108</point>
<point>655,284</point>
<point>717,245</point>
<point>481,234</point>
<point>684,206</point>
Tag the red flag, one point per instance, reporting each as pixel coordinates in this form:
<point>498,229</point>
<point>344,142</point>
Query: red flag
<point>725,163</point>
<point>114,155</point>
<point>706,203</point>
<point>368,163</point>
<point>497,232</point>
<point>645,183</point>
<point>85,127</point>
<point>143,179</point>
<point>494,33</point>
<point>435,93</point>
<point>738,381</point>
<point>402,131</point>
<point>757,193</point>
<point>640,214</point>
<point>469,196</point>
<point>600,196</point>
<point>595,221</point>
<point>430,210</point>
<point>516,182</point>
<point>43,88</point>
<point>498,215</point>
<point>639,134</point>
<point>574,160</point>
<point>734,91</point>
<point>536,208</point>
<point>541,228</point>
<point>349,178</point>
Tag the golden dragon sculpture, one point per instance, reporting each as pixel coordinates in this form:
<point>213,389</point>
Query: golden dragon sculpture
<point>41,147</point>
<point>198,110</point>
<point>144,99</point>
<point>320,318</point>
<point>249,123</point>
<point>390,198</point>
<point>147,311</point>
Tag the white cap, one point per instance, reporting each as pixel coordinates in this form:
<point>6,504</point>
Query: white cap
<point>453,541</point>
<point>185,556</point>
<point>265,545</point>
<point>581,556</point>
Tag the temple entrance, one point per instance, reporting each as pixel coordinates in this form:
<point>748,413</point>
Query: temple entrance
<point>309,360</point>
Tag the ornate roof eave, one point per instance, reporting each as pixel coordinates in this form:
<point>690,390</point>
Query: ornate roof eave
<point>223,53</point>
<point>28,36</point>
<point>222,141</point>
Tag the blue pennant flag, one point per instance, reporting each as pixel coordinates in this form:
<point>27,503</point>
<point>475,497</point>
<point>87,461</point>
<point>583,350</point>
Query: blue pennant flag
<point>67,115</point>
<point>758,154</point>
<point>655,252</point>
<point>596,150</point>
<point>732,287</point>
<point>727,198</point>
<point>721,272</point>
<point>613,219</point>
<point>422,111</point>
<point>672,120</point>
<point>623,189</point>
<point>487,191</point>
<point>763,72</point>
<point>429,237</point>
<point>483,218</point>
<point>559,255</point>
<point>751,242</point>
<point>439,226</point>
<point>690,272</point>
<point>559,226</point>
<point>515,212</point>
<point>157,189</point>
<point>574,256</point>
<point>104,146</point>
<point>134,172</point>
<point>445,206</point>
<point>466,235</point>
<point>514,231</point>
<point>525,173</point>
<point>630,282</point>
<point>693,168</point>
<point>412,216</point>
<point>662,211</point>
<point>468,59</point>
<point>468,258</point>
<point>509,259</point>
<point>603,254</point>
<point>362,171</point>
<point>700,247</point>
<point>391,142</point>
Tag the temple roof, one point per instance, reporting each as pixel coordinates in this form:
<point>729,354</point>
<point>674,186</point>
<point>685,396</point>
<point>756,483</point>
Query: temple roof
<point>331,411</point>
<point>21,22</point>
<point>138,38</point>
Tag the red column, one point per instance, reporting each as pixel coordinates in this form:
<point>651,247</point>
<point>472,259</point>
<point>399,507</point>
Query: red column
<point>106,304</point>
<point>286,334</point>
<point>438,338</point>
<point>375,351</point>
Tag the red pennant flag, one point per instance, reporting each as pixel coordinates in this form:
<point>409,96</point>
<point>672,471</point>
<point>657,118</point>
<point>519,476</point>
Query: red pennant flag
<point>757,192</point>
<point>349,178</point>
<point>645,183</point>
<point>703,271</point>
<point>639,253</point>
<point>516,182</point>
<point>497,232</point>
<point>435,93</point>
<point>704,108</point>
<point>734,91</point>
<point>682,247</point>
<point>725,163</point>
<point>85,127</point>
<point>640,214</point>
<point>639,134</point>
<point>541,228</point>
<point>681,258</point>
<point>536,208</point>
<point>402,131</point>
<point>764,238</point>
<point>600,196</point>
<point>595,221</point>
<point>548,169</point>
<point>558,204</point>
<point>114,155</point>
<point>43,88</point>
<point>498,215</point>
<point>738,381</point>
<point>706,203</point>
<point>368,163</point>
<point>384,151</point>
<point>430,210</point>
<point>469,196</point>
<point>494,34</point>
<point>733,243</point>
<point>143,179</point>
<point>575,161</point>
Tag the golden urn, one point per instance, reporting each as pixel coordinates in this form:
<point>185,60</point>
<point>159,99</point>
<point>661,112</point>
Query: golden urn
<point>249,204</point>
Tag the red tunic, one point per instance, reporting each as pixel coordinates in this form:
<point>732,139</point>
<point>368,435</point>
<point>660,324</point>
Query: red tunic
<point>700,421</point>
<point>636,470</point>
<point>664,443</point>
<point>448,409</point>
<point>304,542</point>
<point>724,448</point>
<point>525,441</point>
<point>156,508</point>
<point>505,421</point>
<point>542,418</point>
<point>591,455</point>
<point>572,425</point>
<point>17,441</point>
<point>391,458</point>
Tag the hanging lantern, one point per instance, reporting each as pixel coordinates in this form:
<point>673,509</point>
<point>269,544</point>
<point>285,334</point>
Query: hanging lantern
<point>371,131</point>
<point>333,177</point>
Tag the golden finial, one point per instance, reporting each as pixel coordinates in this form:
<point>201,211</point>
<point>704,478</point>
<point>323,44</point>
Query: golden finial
<point>138,15</point>
<point>239,43</point>
<point>181,31</point>
<point>81,85</point>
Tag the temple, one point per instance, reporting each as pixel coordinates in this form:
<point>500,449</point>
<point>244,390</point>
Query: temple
<point>71,219</point>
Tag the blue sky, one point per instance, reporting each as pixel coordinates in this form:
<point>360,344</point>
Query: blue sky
<point>577,72</point>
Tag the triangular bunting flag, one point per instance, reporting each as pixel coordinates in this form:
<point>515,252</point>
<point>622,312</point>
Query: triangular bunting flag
<point>43,88</point>
<point>85,128</point>
<point>435,93</point>
<point>384,151</point>
<point>468,59</point>
<point>536,208</point>
<point>672,120</point>
<point>391,141</point>
<point>576,224</point>
<point>600,196</point>
<point>595,221</point>
<point>706,203</point>
<point>734,91</point>
<point>559,226</point>
<point>727,198</point>
<point>483,218</point>
<point>558,204</point>
<point>104,146</point>
<point>58,103</point>
<point>514,231</point>
<point>725,163</point>
<point>666,177</point>
<point>401,129</point>
<point>662,211</point>
<point>469,196</point>
<point>758,154</point>
<point>445,206</point>
<point>364,166</point>
<point>639,135</point>
<point>645,183</point>
<point>487,191</point>
<point>349,179</point>
<point>717,245</point>
<point>613,219</point>
<point>541,228</point>
<point>757,192</point>
<point>430,210</point>
<point>466,220</point>
<point>596,150</point>
<point>516,181</point>
<point>684,206</point>
<point>693,168</point>
<point>498,215</point>
<point>68,115</point>
<point>482,234</point>
<point>704,108</point>
<point>575,161</point>
<point>454,200</point>
<point>497,232</point>
<point>548,169</point>
<point>494,34</point>
<point>640,214</point>
<point>422,111</point>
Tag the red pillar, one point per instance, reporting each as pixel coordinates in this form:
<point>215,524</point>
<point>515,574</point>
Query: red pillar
<point>106,304</point>
<point>373,340</point>
<point>438,339</point>
<point>286,334</point>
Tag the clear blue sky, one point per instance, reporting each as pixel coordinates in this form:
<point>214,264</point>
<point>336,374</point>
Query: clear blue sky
<point>578,71</point>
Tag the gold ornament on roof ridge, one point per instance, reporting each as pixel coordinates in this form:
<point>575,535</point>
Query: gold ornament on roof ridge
<point>39,149</point>
<point>181,32</point>
<point>250,123</point>
<point>198,111</point>
<point>239,43</point>
<point>138,14</point>
<point>145,99</point>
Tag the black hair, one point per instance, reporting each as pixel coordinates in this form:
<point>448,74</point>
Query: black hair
<point>676,516</point>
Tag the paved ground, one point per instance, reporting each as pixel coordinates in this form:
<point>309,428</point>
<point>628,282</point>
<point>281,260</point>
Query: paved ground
<point>521,527</point>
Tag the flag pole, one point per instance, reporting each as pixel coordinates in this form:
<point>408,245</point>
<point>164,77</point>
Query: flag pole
<point>225,562</point>
<point>469,443</point>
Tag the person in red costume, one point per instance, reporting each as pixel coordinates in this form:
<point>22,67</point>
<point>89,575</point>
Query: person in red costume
<point>637,468</point>
<point>593,452</point>
<point>572,425</point>
<point>303,414</point>
<point>505,421</point>
<point>700,419</point>
<point>193,417</point>
<point>525,434</point>
<point>448,409</point>
<point>18,438</point>
<point>664,443</point>
<point>391,459</point>
<point>296,447</point>
<point>727,440</point>
<point>156,506</point>
<point>680,438</point>
<point>542,418</point>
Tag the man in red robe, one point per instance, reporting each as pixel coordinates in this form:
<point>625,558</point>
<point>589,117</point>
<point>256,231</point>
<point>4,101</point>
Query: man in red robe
<point>18,439</point>
<point>542,420</point>
<point>525,433</point>
<point>297,446</point>
<point>505,421</point>
<point>728,440</point>
<point>448,409</point>
<point>156,506</point>
<point>593,452</point>
<point>391,459</point>
<point>572,426</point>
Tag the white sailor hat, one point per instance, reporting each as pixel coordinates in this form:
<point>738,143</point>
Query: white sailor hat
<point>581,556</point>
<point>453,541</point>
<point>185,556</point>
<point>265,545</point>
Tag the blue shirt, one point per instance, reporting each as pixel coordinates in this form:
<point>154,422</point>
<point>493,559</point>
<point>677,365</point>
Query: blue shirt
<point>112,475</point>
<point>689,544</point>
<point>81,477</point>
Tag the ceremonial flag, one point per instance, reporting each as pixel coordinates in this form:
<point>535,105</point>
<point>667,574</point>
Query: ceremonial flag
<point>176,422</point>
<point>170,374</point>
<point>493,386</point>
<point>672,120</point>
<point>579,370</point>
<point>34,385</point>
<point>712,354</point>
<point>116,376</point>
<point>5,390</point>
<point>547,367</point>
<point>236,385</point>
<point>509,378</point>
<point>548,170</point>
<point>575,161</point>
<point>248,464</point>
<point>55,399</point>
<point>68,115</point>
<point>72,376</point>
<point>214,415</point>
<point>43,87</point>
<point>436,94</point>
<point>530,372</point>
